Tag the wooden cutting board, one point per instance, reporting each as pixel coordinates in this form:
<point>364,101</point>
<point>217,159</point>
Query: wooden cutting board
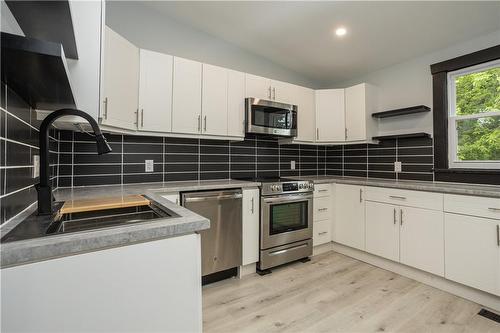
<point>86,205</point>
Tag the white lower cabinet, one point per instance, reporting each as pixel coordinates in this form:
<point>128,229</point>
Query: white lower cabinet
<point>322,214</point>
<point>349,226</point>
<point>250,227</point>
<point>382,230</point>
<point>422,239</point>
<point>472,251</point>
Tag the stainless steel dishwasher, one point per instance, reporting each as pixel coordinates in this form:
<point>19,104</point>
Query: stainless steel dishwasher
<point>221,244</point>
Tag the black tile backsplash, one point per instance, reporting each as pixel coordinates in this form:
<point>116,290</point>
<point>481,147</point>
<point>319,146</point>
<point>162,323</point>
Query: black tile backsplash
<point>18,144</point>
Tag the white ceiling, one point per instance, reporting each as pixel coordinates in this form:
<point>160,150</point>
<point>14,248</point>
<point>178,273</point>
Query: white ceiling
<point>300,35</point>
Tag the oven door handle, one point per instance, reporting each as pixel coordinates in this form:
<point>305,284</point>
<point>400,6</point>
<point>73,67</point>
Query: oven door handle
<point>274,253</point>
<point>288,198</point>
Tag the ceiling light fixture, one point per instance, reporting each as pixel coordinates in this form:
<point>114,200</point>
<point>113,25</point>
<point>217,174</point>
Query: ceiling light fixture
<point>340,31</point>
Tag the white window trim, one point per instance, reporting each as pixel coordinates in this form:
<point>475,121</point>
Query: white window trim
<point>453,163</point>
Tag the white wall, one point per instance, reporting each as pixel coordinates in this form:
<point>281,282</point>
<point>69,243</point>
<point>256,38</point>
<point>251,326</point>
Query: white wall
<point>150,30</point>
<point>410,83</point>
<point>7,21</point>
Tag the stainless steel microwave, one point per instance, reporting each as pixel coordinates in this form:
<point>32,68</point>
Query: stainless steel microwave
<point>270,118</point>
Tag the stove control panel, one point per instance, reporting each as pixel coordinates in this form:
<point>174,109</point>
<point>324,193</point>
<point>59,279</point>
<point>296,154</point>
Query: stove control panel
<point>298,186</point>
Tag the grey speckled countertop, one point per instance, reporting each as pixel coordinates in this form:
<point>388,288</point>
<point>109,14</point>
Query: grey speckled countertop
<point>441,187</point>
<point>60,245</point>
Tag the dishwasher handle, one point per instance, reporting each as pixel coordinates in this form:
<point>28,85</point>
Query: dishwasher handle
<point>214,197</point>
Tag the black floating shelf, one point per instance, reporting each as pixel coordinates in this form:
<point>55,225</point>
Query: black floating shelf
<point>36,70</point>
<point>402,136</point>
<point>46,20</point>
<point>401,112</point>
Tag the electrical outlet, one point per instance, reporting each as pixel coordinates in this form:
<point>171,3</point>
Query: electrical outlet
<point>149,164</point>
<point>397,166</point>
<point>292,165</point>
<point>36,166</point>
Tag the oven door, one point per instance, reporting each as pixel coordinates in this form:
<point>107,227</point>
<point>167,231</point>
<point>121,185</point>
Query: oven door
<point>285,219</point>
<point>273,118</point>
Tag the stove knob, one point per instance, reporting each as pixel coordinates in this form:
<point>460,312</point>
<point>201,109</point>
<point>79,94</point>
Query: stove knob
<point>301,186</point>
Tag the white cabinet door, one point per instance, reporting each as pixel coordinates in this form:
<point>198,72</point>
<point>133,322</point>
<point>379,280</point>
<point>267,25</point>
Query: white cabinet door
<point>155,91</point>
<point>250,228</point>
<point>349,216</point>
<point>422,239</point>
<point>330,125</point>
<point>258,87</point>
<point>472,252</point>
<point>355,112</point>
<point>284,92</point>
<point>382,230</point>
<point>235,103</point>
<point>121,81</point>
<point>186,109</point>
<point>214,100</point>
<point>306,114</point>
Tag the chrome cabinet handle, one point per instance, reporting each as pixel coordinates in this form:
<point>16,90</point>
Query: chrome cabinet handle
<point>498,234</point>
<point>317,133</point>
<point>269,89</point>
<point>397,197</point>
<point>105,102</point>
<point>205,125</point>
<point>253,205</point>
<point>322,233</point>
<point>199,123</point>
<point>494,209</point>
<point>394,216</point>
<point>142,117</point>
<point>322,209</point>
<point>274,93</point>
<point>136,118</point>
<point>360,195</point>
<point>322,190</point>
<point>400,216</point>
<point>345,133</point>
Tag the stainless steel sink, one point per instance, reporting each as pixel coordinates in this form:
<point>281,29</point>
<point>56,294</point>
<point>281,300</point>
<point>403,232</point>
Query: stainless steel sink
<point>91,220</point>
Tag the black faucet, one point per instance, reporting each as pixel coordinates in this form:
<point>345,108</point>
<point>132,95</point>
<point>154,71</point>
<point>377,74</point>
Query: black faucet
<point>44,188</point>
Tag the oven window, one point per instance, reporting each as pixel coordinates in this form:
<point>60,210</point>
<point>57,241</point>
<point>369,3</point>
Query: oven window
<point>266,116</point>
<point>288,217</point>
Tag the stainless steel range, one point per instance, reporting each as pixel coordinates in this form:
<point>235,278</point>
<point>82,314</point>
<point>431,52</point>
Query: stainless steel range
<point>286,222</point>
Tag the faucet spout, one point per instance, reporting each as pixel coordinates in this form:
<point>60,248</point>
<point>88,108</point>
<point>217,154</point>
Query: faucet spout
<point>44,189</point>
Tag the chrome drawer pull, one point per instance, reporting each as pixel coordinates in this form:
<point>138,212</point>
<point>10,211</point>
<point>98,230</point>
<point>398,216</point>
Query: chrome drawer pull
<point>322,190</point>
<point>397,197</point>
<point>322,233</point>
<point>322,209</point>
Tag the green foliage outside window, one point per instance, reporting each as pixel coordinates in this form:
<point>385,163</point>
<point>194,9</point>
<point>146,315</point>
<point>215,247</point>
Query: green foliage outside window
<point>478,139</point>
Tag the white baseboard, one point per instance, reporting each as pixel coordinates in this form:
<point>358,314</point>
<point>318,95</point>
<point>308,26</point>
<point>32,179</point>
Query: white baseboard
<point>487,300</point>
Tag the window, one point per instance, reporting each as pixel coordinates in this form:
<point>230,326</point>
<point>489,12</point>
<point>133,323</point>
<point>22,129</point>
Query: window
<point>474,117</point>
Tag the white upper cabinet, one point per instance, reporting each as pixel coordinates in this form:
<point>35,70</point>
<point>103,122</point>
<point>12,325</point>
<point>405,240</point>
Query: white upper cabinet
<point>258,87</point>
<point>121,82</point>
<point>359,105</point>
<point>186,105</point>
<point>214,100</point>
<point>306,114</point>
<point>155,92</point>
<point>235,103</point>
<point>284,92</point>
<point>330,122</point>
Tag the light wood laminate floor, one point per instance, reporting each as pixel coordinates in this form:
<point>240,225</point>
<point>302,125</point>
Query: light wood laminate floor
<point>335,293</point>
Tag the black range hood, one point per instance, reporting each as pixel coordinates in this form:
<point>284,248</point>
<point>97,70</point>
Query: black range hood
<point>37,71</point>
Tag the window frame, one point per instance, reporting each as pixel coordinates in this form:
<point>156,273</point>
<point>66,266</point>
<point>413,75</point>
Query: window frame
<point>439,71</point>
<point>453,118</point>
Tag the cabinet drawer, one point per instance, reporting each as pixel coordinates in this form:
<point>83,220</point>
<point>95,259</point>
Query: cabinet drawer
<point>322,190</point>
<point>322,208</point>
<point>470,205</point>
<point>419,199</point>
<point>321,232</point>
